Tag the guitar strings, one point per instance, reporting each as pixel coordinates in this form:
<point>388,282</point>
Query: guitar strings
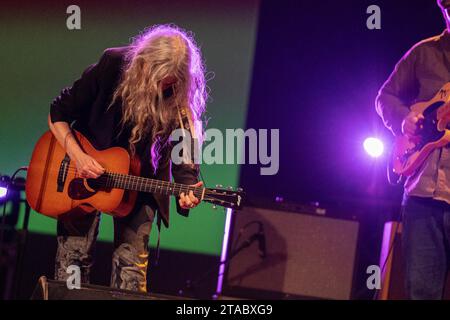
<point>127,179</point>
<point>197,191</point>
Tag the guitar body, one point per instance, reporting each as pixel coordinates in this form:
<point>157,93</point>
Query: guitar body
<point>408,154</point>
<point>53,187</point>
<point>412,163</point>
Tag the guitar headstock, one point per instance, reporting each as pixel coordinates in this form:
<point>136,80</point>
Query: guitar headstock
<point>225,197</point>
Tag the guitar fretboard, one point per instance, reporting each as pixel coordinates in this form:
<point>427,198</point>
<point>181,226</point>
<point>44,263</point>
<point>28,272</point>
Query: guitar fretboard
<point>135,183</point>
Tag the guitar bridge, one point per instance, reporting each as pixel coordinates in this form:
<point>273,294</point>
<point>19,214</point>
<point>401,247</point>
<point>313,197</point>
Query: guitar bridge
<point>62,173</point>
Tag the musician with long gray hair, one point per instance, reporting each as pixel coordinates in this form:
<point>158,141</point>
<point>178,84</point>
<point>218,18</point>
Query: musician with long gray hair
<point>133,97</point>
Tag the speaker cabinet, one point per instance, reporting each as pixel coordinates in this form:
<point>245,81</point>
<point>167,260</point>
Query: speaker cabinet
<point>393,277</point>
<point>308,256</point>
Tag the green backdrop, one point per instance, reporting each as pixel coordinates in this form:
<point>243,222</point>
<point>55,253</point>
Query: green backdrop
<point>40,56</point>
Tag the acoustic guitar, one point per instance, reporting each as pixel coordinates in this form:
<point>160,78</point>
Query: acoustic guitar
<point>54,187</point>
<point>408,154</point>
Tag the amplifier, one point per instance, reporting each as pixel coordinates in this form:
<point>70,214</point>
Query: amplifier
<point>307,256</point>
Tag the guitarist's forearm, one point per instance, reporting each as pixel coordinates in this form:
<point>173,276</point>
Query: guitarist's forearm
<point>63,133</point>
<point>392,111</point>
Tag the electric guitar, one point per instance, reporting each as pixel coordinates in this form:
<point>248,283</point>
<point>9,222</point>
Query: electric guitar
<point>408,154</point>
<point>53,186</point>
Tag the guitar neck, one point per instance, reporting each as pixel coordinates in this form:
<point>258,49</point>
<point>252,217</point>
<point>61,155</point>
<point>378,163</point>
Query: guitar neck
<point>135,183</point>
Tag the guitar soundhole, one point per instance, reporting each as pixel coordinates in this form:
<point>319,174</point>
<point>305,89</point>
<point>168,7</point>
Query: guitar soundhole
<point>79,189</point>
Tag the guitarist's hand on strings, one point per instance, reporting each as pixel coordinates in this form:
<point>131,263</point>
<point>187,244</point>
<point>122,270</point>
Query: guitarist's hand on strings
<point>87,167</point>
<point>411,124</point>
<point>189,201</point>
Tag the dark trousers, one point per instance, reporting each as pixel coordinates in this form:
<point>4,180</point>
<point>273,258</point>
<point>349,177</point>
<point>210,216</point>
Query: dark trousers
<point>77,234</point>
<point>425,241</point>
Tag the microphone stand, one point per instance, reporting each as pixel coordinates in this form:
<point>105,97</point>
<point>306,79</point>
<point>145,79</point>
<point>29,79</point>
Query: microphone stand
<point>247,243</point>
<point>22,244</point>
<point>18,184</point>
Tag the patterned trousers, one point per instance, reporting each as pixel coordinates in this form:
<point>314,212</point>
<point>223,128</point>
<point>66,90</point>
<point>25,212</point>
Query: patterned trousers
<point>77,234</point>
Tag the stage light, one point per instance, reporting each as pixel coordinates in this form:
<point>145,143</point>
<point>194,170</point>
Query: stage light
<point>4,182</point>
<point>374,147</point>
<point>3,192</point>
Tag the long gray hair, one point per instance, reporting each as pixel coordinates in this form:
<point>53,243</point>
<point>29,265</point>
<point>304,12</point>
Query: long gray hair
<point>161,52</point>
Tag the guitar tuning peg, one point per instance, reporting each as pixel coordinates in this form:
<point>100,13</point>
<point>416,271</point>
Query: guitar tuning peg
<point>219,186</point>
<point>230,188</point>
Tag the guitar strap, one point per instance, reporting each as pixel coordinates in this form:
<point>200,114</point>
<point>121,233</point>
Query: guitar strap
<point>185,123</point>
<point>444,45</point>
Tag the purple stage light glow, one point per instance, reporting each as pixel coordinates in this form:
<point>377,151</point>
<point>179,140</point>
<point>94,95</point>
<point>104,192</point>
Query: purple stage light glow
<point>3,192</point>
<point>374,147</point>
<point>224,254</point>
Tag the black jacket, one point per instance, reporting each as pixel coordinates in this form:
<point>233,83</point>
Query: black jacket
<point>85,106</point>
